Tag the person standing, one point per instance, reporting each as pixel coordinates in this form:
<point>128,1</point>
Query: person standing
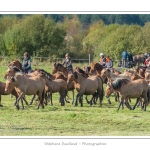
<point>124,58</point>
<point>26,64</point>
<point>102,59</point>
<point>68,62</point>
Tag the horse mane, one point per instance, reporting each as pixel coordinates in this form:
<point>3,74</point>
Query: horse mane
<point>46,74</point>
<point>80,70</point>
<point>98,67</point>
<point>118,83</point>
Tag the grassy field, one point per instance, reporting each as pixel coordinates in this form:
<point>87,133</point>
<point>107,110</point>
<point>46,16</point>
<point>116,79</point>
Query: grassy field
<point>68,120</point>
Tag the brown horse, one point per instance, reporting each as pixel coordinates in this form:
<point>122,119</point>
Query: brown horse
<point>16,63</point>
<point>86,86</point>
<point>107,73</point>
<point>138,59</point>
<point>11,91</point>
<point>87,69</point>
<point>131,89</point>
<point>53,86</point>
<point>59,67</point>
<point>96,68</point>
<point>26,86</point>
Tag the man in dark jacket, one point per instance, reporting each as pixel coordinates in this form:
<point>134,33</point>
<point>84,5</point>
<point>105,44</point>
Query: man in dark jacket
<point>26,64</point>
<point>68,63</point>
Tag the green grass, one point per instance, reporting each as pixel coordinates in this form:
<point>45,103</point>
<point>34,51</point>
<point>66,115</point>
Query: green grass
<point>68,120</point>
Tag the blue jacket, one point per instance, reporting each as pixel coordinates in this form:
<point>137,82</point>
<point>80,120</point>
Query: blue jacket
<point>124,55</point>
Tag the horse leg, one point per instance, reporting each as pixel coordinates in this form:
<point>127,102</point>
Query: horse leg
<point>22,103</point>
<point>81,100</point>
<point>0,102</point>
<point>137,101</point>
<point>41,97</point>
<point>87,100</point>
<point>72,96</point>
<point>77,96</point>
<point>46,97</point>
<point>20,97</point>
<point>32,99</point>
<point>25,100</point>
<point>50,96</point>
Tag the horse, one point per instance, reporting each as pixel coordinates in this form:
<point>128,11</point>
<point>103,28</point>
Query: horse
<point>26,86</point>
<point>107,73</point>
<point>96,68</point>
<point>82,72</point>
<point>11,91</point>
<point>87,69</point>
<point>16,63</point>
<point>59,67</point>
<point>131,89</point>
<point>138,59</point>
<point>86,86</point>
<point>53,86</point>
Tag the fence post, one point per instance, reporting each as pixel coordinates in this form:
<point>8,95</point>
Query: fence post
<point>89,60</point>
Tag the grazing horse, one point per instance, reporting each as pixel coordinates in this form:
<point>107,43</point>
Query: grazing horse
<point>59,67</point>
<point>86,86</point>
<point>26,86</point>
<point>53,86</point>
<point>96,68</point>
<point>131,89</point>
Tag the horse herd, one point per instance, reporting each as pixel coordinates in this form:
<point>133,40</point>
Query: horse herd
<point>132,83</point>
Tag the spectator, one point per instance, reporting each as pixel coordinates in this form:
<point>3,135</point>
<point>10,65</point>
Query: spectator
<point>147,62</point>
<point>109,62</point>
<point>102,59</point>
<point>68,63</point>
<point>124,58</point>
<point>26,65</point>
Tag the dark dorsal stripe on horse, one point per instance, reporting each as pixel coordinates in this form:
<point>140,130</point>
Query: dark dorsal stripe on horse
<point>118,83</point>
<point>46,74</point>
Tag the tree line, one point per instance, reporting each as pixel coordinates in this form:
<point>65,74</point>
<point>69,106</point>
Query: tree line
<point>54,35</point>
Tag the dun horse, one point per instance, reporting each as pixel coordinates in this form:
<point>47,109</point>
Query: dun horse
<point>96,68</point>
<point>26,86</point>
<point>131,89</point>
<point>60,68</point>
<point>53,86</point>
<point>86,86</point>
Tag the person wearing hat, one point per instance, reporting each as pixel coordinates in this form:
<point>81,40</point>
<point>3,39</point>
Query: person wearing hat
<point>102,60</point>
<point>68,62</point>
<point>26,64</point>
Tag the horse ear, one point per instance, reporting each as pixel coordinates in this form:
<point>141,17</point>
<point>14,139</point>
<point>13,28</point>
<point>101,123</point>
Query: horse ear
<point>75,75</point>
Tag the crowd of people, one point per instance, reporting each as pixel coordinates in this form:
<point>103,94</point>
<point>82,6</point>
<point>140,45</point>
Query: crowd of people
<point>106,62</point>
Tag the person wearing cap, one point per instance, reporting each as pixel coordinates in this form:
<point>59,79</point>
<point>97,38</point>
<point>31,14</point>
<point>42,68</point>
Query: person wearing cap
<point>68,62</point>
<point>26,64</point>
<point>102,60</point>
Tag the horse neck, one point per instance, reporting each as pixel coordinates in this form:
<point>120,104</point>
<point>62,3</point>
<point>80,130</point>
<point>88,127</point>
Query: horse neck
<point>64,71</point>
<point>80,79</point>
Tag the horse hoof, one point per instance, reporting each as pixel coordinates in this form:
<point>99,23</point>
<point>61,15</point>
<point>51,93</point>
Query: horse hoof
<point>1,105</point>
<point>17,107</point>
<point>109,102</point>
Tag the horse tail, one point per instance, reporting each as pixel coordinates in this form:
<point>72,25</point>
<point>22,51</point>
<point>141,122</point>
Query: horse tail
<point>148,96</point>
